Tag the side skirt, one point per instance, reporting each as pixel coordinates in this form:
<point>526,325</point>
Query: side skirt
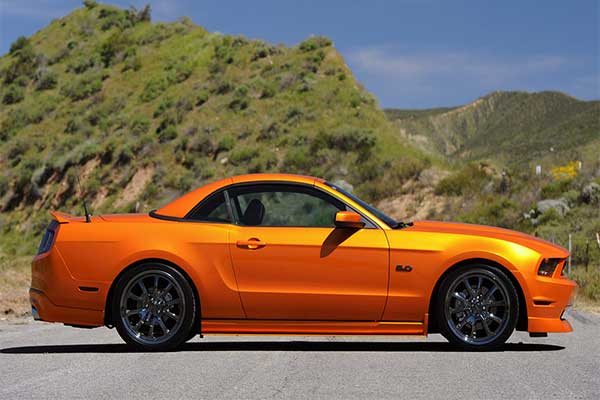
<point>277,327</point>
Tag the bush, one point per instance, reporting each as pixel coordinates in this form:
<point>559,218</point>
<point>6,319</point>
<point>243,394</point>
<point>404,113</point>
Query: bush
<point>298,160</point>
<point>90,4</point>
<point>346,139</point>
<point>238,104</point>
<point>14,94</point>
<point>83,87</point>
<point>140,125</point>
<point>226,143</point>
<point>167,134</point>
<point>589,282</point>
<point>314,43</point>
<point>180,71</point>
<point>243,155</point>
<point>82,63</point>
<point>470,178</point>
<point>20,43</point>
<point>202,97</point>
<point>555,189</point>
<point>153,88</point>
<point>46,80</point>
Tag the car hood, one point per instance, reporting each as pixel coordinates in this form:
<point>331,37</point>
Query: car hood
<point>541,246</point>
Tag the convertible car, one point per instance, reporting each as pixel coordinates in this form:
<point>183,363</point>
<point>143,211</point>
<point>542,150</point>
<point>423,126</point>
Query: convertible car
<point>294,255</point>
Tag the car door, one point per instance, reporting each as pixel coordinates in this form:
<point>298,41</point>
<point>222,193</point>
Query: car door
<point>292,264</point>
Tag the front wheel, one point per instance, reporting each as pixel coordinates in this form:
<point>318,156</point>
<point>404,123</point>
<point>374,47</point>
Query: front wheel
<point>153,307</point>
<point>478,307</point>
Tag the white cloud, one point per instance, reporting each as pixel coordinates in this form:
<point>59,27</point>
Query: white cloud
<point>423,66</point>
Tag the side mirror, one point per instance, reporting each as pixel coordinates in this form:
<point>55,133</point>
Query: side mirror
<point>348,219</point>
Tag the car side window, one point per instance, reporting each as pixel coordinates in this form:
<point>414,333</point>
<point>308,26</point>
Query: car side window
<point>213,209</point>
<point>284,205</point>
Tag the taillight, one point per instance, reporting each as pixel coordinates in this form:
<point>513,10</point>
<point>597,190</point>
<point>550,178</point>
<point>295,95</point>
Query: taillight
<point>548,266</point>
<point>48,238</point>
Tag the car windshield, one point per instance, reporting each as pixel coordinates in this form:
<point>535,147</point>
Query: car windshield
<point>391,222</point>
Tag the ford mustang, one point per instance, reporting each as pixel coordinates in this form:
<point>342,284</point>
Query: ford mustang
<point>286,254</point>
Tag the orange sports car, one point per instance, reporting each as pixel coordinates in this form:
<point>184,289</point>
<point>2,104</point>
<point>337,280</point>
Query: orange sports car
<point>287,254</point>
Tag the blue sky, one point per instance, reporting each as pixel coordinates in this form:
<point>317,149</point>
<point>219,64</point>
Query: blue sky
<point>409,53</point>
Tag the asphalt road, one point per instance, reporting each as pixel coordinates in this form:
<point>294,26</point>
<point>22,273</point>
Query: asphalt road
<point>39,360</point>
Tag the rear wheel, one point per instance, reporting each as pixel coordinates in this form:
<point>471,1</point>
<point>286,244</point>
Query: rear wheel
<point>478,307</point>
<point>154,307</point>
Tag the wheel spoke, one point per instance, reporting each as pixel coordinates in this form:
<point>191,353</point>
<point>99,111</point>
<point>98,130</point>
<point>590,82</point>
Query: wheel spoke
<point>461,324</point>
<point>486,327</point>
<point>495,318</point>
<point>491,292</point>
<point>162,325</point>
<point>479,281</point>
<point>173,302</point>
<point>166,290</point>
<point>500,303</point>
<point>129,313</point>
<point>459,296</point>
<point>473,324</point>
<point>469,287</point>
<point>171,315</point>
<point>151,330</point>
<point>155,283</point>
<point>134,297</point>
<point>143,286</point>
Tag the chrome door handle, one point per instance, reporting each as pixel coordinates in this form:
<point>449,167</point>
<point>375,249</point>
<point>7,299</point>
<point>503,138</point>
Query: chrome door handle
<point>251,244</point>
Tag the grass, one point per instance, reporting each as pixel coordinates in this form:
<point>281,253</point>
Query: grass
<point>15,278</point>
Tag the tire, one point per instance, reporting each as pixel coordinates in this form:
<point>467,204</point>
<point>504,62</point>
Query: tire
<point>154,307</point>
<point>477,307</point>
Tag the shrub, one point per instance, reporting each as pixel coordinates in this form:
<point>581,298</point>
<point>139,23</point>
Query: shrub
<point>165,104</point>
<point>555,189</point>
<point>314,43</point>
<point>140,125</point>
<point>202,97</point>
<point>298,160</point>
<point>13,94</point>
<point>46,80</point>
<point>20,43</point>
<point>226,143</point>
<point>82,63</point>
<point>153,88</point>
<point>238,104</point>
<point>90,4</point>
<point>167,134</point>
<point>83,87</point>
<point>469,178</point>
<point>132,61</point>
<point>180,71</point>
<point>346,139</point>
<point>263,162</point>
<point>243,155</point>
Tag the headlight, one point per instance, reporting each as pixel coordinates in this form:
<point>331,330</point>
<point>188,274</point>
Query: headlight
<point>548,266</point>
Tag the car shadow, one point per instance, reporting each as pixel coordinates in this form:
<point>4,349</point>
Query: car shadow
<point>308,346</point>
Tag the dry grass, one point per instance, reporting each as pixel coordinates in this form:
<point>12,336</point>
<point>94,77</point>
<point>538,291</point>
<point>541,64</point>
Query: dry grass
<point>15,277</point>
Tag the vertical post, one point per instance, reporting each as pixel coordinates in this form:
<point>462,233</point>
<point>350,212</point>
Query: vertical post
<point>570,247</point>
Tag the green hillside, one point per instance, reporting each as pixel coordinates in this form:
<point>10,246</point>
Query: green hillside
<point>515,128</point>
<point>142,112</point>
<point>492,146</point>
